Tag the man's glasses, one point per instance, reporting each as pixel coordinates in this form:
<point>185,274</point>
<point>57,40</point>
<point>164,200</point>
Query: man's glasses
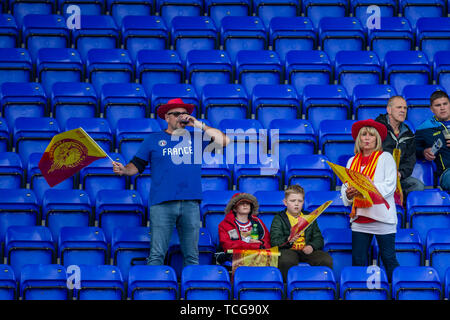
<point>176,113</point>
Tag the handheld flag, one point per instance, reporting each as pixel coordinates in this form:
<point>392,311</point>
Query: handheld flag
<point>68,153</point>
<point>398,195</point>
<point>256,258</point>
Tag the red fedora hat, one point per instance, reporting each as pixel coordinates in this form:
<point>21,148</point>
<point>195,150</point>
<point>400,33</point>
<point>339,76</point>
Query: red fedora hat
<point>381,128</point>
<point>172,104</point>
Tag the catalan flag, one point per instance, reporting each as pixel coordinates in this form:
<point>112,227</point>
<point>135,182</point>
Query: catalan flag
<point>68,153</point>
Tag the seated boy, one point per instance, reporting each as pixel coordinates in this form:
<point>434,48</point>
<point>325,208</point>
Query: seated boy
<point>304,248</point>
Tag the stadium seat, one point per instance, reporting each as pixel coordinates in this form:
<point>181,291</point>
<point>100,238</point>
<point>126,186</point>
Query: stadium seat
<point>158,67</point>
<point>193,33</point>
<point>142,183</point>
<point>44,282</point>
<point>270,203</point>
<point>15,65</point>
<point>98,32</point>
<point>257,177</point>
<point>418,101</point>
<point>22,99</point>
<point>11,171</point>
<point>329,101</point>
<point>123,100</point>
<point>424,171</point>
<point>162,93</point>
<point>152,283</point>
<point>433,35</point>
<point>73,100</point>
<point>275,101</point>
<point>66,208</point>
<point>224,101</point>
<point>258,283</point>
<point>129,247</point>
<point>8,285</point>
<point>371,100</point>
<point>353,68</point>
<point>311,283</point>
<point>413,10</point>
<point>441,69</point>
<point>107,66</point>
<point>242,33</point>
<point>216,176</point>
<point>335,216</point>
<point>268,9</point>
<point>33,134</point>
<point>318,9</point>
<point>218,9</point>
<point>305,67</point>
<point>438,249</point>
<point>114,208</point>
<point>338,244</point>
<point>206,67</point>
<point>359,9</point>
<point>20,9</point>
<point>28,245</point>
<point>130,132</point>
<point>310,171</point>
<point>168,9</point>
<point>336,141</point>
<point>416,283</point>
<point>44,31</point>
<point>119,9</point>
<point>5,140</point>
<point>364,283</point>
<point>428,209</point>
<point>82,245</point>
<point>58,65</point>
<point>447,283</point>
<point>291,136</point>
<point>205,282</point>
<point>87,7</point>
<point>97,128</point>
<point>337,34</point>
<point>100,282</point>
<point>143,33</point>
<point>9,33</point>
<point>402,68</point>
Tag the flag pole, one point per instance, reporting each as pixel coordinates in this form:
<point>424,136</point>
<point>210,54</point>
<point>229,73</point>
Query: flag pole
<point>95,142</point>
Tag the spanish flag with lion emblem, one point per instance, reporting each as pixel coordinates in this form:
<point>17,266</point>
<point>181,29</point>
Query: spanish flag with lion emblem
<point>68,153</point>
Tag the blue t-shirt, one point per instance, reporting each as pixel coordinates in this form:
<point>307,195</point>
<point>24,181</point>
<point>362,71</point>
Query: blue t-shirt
<point>175,163</point>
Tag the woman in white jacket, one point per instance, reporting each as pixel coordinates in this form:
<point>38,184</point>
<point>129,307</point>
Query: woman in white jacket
<point>368,220</point>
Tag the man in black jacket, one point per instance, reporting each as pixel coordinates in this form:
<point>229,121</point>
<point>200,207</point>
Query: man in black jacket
<point>400,136</point>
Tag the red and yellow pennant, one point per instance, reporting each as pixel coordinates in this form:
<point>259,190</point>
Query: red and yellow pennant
<point>254,258</point>
<point>68,153</point>
<point>398,195</point>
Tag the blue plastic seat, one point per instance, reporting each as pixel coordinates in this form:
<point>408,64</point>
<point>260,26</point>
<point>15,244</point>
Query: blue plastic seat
<point>413,10</point>
<point>100,282</point>
<point>416,283</point>
<point>305,67</point>
<point>119,9</point>
<point>168,9</point>
<point>424,171</point>
<point>318,9</point>
<point>87,7</point>
<point>158,67</point>
<point>8,285</point>
<point>28,245</point>
<point>447,283</point>
<point>216,176</point>
<point>337,34</point>
<point>218,9</point>
<point>268,9</point>
<point>20,8</point>
<point>402,68</point>
<point>428,209</point>
<point>205,282</point>
<point>152,283</point>
<point>336,141</point>
<point>275,101</point>
<point>44,31</point>
<point>162,93</point>
<point>311,283</point>
<point>242,33</point>
<point>257,177</point>
<point>441,69</point>
<point>15,65</point>
<point>310,171</point>
<point>22,99</point>
<point>130,247</point>
<point>364,283</point>
<point>207,67</point>
<point>328,101</point>
<point>258,283</point>
<point>98,31</point>
<point>359,9</point>
<point>118,208</point>
<point>370,100</point>
<point>44,282</point>
<point>335,216</point>
<point>123,100</point>
<point>97,128</point>
<point>9,33</point>
<point>338,244</point>
<point>5,141</point>
<point>107,66</point>
<point>193,33</point>
<point>143,33</point>
<point>433,35</point>
<point>11,171</point>
<point>438,249</point>
<point>258,67</point>
<point>396,34</point>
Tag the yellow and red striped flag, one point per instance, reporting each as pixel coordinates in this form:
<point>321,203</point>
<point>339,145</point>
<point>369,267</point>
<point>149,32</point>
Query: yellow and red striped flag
<point>398,195</point>
<point>68,153</point>
<point>254,258</point>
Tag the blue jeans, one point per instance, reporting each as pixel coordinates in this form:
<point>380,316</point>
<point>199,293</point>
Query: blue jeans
<point>445,180</point>
<point>164,217</point>
<point>360,250</point>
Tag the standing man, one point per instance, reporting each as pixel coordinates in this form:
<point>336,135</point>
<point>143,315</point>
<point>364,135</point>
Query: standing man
<point>433,137</point>
<point>175,159</point>
<point>401,137</point>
